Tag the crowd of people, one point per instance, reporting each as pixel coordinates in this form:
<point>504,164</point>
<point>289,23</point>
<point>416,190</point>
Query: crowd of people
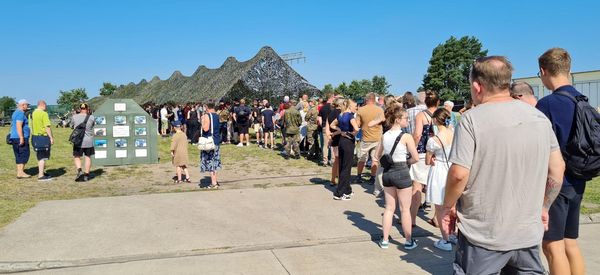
<point>492,172</point>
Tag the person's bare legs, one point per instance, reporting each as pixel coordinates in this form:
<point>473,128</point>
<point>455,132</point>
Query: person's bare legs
<point>185,171</point>
<point>388,212</point>
<point>557,257</point>
<point>178,171</point>
<point>575,257</point>
<point>213,178</point>
<point>88,164</point>
<point>416,201</point>
<point>41,164</point>
<point>405,198</point>
<point>77,161</point>
<point>360,167</point>
<point>438,218</point>
<point>272,139</point>
<point>21,171</point>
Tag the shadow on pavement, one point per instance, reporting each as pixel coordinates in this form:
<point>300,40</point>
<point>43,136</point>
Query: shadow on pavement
<point>358,220</point>
<point>429,258</point>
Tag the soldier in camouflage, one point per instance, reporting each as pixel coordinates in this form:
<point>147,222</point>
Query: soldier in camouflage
<point>311,120</point>
<point>292,121</point>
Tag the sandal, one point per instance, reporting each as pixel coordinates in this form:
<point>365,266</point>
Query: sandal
<point>176,181</point>
<point>187,180</point>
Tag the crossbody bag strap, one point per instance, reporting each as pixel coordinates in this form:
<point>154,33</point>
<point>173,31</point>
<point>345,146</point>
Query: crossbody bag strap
<point>396,144</point>
<point>444,149</point>
<point>211,124</point>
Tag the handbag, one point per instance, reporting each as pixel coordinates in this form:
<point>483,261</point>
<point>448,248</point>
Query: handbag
<point>39,143</point>
<point>76,137</point>
<point>386,161</point>
<point>207,143</point>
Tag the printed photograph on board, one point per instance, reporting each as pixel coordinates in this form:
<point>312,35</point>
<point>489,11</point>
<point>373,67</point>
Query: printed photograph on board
<point>120,120</point>
<point>100,132</point>
<point>140,119</point>
<point>100,120</point>
<point>120,143</point>
<point>140,131</point>
<point>100,143</point>
<point>140,143</point>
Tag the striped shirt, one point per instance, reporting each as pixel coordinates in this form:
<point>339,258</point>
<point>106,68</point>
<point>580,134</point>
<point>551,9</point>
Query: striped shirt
<point>412,115</point>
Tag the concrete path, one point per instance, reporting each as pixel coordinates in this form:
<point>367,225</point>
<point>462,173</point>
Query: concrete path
<point>287,230</point>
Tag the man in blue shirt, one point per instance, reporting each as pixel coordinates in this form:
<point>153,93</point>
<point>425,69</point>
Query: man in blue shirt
<point>19,137</point>
<point>560,241</point>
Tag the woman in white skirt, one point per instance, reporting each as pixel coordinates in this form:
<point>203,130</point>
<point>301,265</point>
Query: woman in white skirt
<point>438,151</point>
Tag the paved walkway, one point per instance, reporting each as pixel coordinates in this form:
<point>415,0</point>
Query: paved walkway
<point>287,230</point>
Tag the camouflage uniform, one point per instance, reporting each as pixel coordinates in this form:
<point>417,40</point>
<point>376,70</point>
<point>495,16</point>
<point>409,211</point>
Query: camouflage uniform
<point>292,120</point>
<point>311,119</point>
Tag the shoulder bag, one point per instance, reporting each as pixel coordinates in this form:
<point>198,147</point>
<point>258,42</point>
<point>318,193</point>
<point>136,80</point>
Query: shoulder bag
<point>386,161</point>
<point>207,143</point>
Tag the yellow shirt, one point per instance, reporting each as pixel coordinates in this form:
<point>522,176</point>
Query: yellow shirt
<point>39,121</point>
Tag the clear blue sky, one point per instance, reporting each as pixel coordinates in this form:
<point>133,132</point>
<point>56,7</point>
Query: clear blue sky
<point>47,46</point>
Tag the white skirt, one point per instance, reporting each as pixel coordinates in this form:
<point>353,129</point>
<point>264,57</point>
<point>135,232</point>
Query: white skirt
<point>436,183</point>
<point>419,171</point>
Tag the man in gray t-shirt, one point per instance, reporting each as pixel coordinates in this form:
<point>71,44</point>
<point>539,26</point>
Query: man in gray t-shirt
<point>87,146</point>
<point>506,166</point>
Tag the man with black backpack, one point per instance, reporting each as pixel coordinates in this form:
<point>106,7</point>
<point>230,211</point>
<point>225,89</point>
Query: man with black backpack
<point>576,127</point>
<point>241,115</point>
<point>83,145</point>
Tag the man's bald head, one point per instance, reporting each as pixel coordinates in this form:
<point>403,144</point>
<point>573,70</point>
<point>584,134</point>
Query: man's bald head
<point>494,73</point>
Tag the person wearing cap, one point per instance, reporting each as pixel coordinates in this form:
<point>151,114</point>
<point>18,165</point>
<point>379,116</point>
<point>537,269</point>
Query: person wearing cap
<point>179,152</point>
<point>42,139</point>
<point>19,137</point>
<point>524,92</point>
<point>87,146</point>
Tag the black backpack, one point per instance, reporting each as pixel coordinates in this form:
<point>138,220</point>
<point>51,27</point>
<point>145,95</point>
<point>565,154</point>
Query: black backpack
<point>582,152</point>
<point>78,133</point>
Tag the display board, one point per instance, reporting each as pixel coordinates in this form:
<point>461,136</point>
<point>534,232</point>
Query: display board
<point>124,134</point>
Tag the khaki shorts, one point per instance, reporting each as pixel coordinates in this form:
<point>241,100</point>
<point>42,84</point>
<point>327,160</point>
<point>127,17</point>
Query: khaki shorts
<point>257,128</point>
<point>366,149</point>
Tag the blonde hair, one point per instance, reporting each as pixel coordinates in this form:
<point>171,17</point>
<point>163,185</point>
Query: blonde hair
<point>347,103</point>
<point>338,103</point>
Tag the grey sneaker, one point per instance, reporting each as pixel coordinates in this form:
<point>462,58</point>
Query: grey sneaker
<point>384,244</point>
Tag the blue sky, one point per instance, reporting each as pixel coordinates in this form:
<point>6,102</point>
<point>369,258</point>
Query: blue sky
<point>47,46</point>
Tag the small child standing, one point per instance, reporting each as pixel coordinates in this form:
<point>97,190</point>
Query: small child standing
<point>179,152</point>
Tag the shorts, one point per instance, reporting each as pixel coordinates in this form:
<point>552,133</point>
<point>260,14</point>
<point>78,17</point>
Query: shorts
<point>420,171</point>
<point>43,154</point>
<point>164,124</point>
<point>397,176</point>
<point>243,128</point>
<point>257,128</point>
<point>268,129</point>
<point>564,214</point>
<point>78,151</point>
<point>21,151</point>
<point>472,259</point>
<point>366,149</point>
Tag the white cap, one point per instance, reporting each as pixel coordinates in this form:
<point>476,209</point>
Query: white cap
<point>286,99</point>
<point>22,101</point>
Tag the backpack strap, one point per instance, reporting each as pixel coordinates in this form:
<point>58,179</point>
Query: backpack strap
<point>572,98</point>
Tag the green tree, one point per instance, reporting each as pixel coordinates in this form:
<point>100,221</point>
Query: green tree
<point>7,103</point>
<point>380,85</point>
<point>70,99</point>
<point>358,89</point>
<point>107,89</point>
<point>449,66</point>
<point>341,89</point>
<point>327,89</point>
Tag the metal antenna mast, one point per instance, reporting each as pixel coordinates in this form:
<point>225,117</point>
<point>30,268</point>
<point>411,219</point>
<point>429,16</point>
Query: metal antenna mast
<point>291,57</point>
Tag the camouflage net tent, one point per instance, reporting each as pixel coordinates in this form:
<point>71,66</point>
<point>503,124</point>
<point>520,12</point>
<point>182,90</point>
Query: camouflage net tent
<point>266,75</point>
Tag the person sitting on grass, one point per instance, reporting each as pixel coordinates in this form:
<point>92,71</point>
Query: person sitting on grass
<point>179,152</point>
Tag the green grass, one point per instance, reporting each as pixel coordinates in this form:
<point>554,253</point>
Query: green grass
<point>591,197</point>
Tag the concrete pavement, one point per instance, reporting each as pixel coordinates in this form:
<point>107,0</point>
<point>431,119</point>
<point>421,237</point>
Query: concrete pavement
<point>286,230</point>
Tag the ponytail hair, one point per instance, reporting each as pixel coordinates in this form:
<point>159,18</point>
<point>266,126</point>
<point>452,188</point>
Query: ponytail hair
<point>441,117</point>
<point>393,113</point>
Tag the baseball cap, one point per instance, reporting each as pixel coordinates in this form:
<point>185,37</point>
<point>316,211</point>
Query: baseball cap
<point>176,123</point>
<point>286,98</point>
<point>22,101</point>
<point>84,106</point>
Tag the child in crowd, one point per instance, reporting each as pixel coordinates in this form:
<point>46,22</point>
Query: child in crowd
<point>179,153</point>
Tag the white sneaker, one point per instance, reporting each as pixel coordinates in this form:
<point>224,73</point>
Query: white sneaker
<point>240,145</point>
<point>453,239</point>
<point>346,197</point>
<point>443,245</point>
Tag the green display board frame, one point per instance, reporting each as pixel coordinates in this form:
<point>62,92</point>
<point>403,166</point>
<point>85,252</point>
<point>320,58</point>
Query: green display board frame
<point>124,134</point>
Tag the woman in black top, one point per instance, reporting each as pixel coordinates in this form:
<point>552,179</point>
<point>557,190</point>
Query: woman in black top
<point>334,140</point>
<point>194,125</point>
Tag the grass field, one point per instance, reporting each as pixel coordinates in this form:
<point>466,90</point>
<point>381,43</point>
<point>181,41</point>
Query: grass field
<point>248,164</point>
